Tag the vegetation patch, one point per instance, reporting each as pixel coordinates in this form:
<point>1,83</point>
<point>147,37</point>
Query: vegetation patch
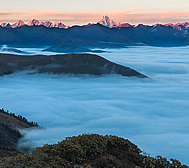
<point>89,150</point>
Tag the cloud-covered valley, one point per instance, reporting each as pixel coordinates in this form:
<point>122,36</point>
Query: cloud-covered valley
<point>152,113</point>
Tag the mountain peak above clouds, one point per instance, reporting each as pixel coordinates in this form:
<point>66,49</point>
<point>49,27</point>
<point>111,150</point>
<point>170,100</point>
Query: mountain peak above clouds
<point>7,25</point>
<point>48,24</point>
<point>106,21</point>
<point>19,23</point>
<point>184,25</point>
<point>58,25</point>
<point>33,22</point>
<point>125,25</point>
<point>169,24</point>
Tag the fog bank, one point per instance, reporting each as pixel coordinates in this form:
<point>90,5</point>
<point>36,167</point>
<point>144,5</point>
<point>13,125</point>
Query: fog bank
<point>152,113</point>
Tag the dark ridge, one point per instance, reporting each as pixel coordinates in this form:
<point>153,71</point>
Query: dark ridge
<point>8,136</point>
<point>64,64</point>
<point>15,121</point>
<point>62,48</point>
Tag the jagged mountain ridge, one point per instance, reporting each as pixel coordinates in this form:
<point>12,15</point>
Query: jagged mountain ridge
<point>94,36</point>
<point>35,22</point>
<point>105,21</point>
<point>84,38</point>
<point>18,24</point>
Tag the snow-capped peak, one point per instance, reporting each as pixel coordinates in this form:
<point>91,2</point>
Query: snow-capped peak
<point>7,25</point>
<point>185,25</point>
<point>169,24</point>
<point>108,23</point>
<point>47,24</point>
<point>125,25</point>
<point>33,23</point>
<point>4,24</point>
<point>55,24</point>
<point>59,25</point>
<point>18,24</point>
<point>179,26</point>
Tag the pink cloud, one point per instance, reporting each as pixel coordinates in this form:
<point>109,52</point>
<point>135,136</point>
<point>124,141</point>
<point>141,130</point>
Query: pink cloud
<point>123,16</point>
<point>8,13</point>
<point>152,18</point>
<point>133,10</point>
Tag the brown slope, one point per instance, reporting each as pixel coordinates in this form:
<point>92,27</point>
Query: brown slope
<point>13,122</point>
<point>9,125</point>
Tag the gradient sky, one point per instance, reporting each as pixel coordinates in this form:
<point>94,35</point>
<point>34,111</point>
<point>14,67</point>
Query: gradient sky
<point>83,11</point>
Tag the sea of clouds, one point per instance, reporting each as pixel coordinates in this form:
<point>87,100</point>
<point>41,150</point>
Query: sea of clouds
<point>152,113</point>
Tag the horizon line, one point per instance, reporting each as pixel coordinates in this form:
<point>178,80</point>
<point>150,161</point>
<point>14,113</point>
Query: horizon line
<point>58,21</point>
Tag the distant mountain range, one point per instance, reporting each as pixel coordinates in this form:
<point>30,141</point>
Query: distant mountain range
<point>104,34</point>
<point>105,21</point>
<point>35,22</point>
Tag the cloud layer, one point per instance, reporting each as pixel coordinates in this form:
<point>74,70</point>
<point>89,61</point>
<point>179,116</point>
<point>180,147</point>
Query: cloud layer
<point>152,113</point>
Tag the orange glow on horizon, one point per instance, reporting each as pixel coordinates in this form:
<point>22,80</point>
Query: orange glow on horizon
<point>79,18</point>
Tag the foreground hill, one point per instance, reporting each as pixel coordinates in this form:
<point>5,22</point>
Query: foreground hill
<point>9,133</point>
<point>87,150</point>
<point>91,150</point>
<point>64,64</point>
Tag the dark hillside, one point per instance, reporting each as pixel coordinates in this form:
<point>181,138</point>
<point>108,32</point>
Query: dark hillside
<point>14,121</point>
<point>8,152</point>
<point>8,136</point>
<point>64,64</point>
<point>9,125</point>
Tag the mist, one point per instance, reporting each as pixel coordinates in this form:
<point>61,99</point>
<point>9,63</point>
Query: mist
<point>24,51</point>
<point>152,113</point>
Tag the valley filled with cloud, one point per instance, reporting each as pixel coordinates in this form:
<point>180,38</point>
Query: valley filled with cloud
<point>152,113</point>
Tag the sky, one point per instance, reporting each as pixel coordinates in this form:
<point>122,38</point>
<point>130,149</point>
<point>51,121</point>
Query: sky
<point>152,113</point>
<point>79,12</point>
